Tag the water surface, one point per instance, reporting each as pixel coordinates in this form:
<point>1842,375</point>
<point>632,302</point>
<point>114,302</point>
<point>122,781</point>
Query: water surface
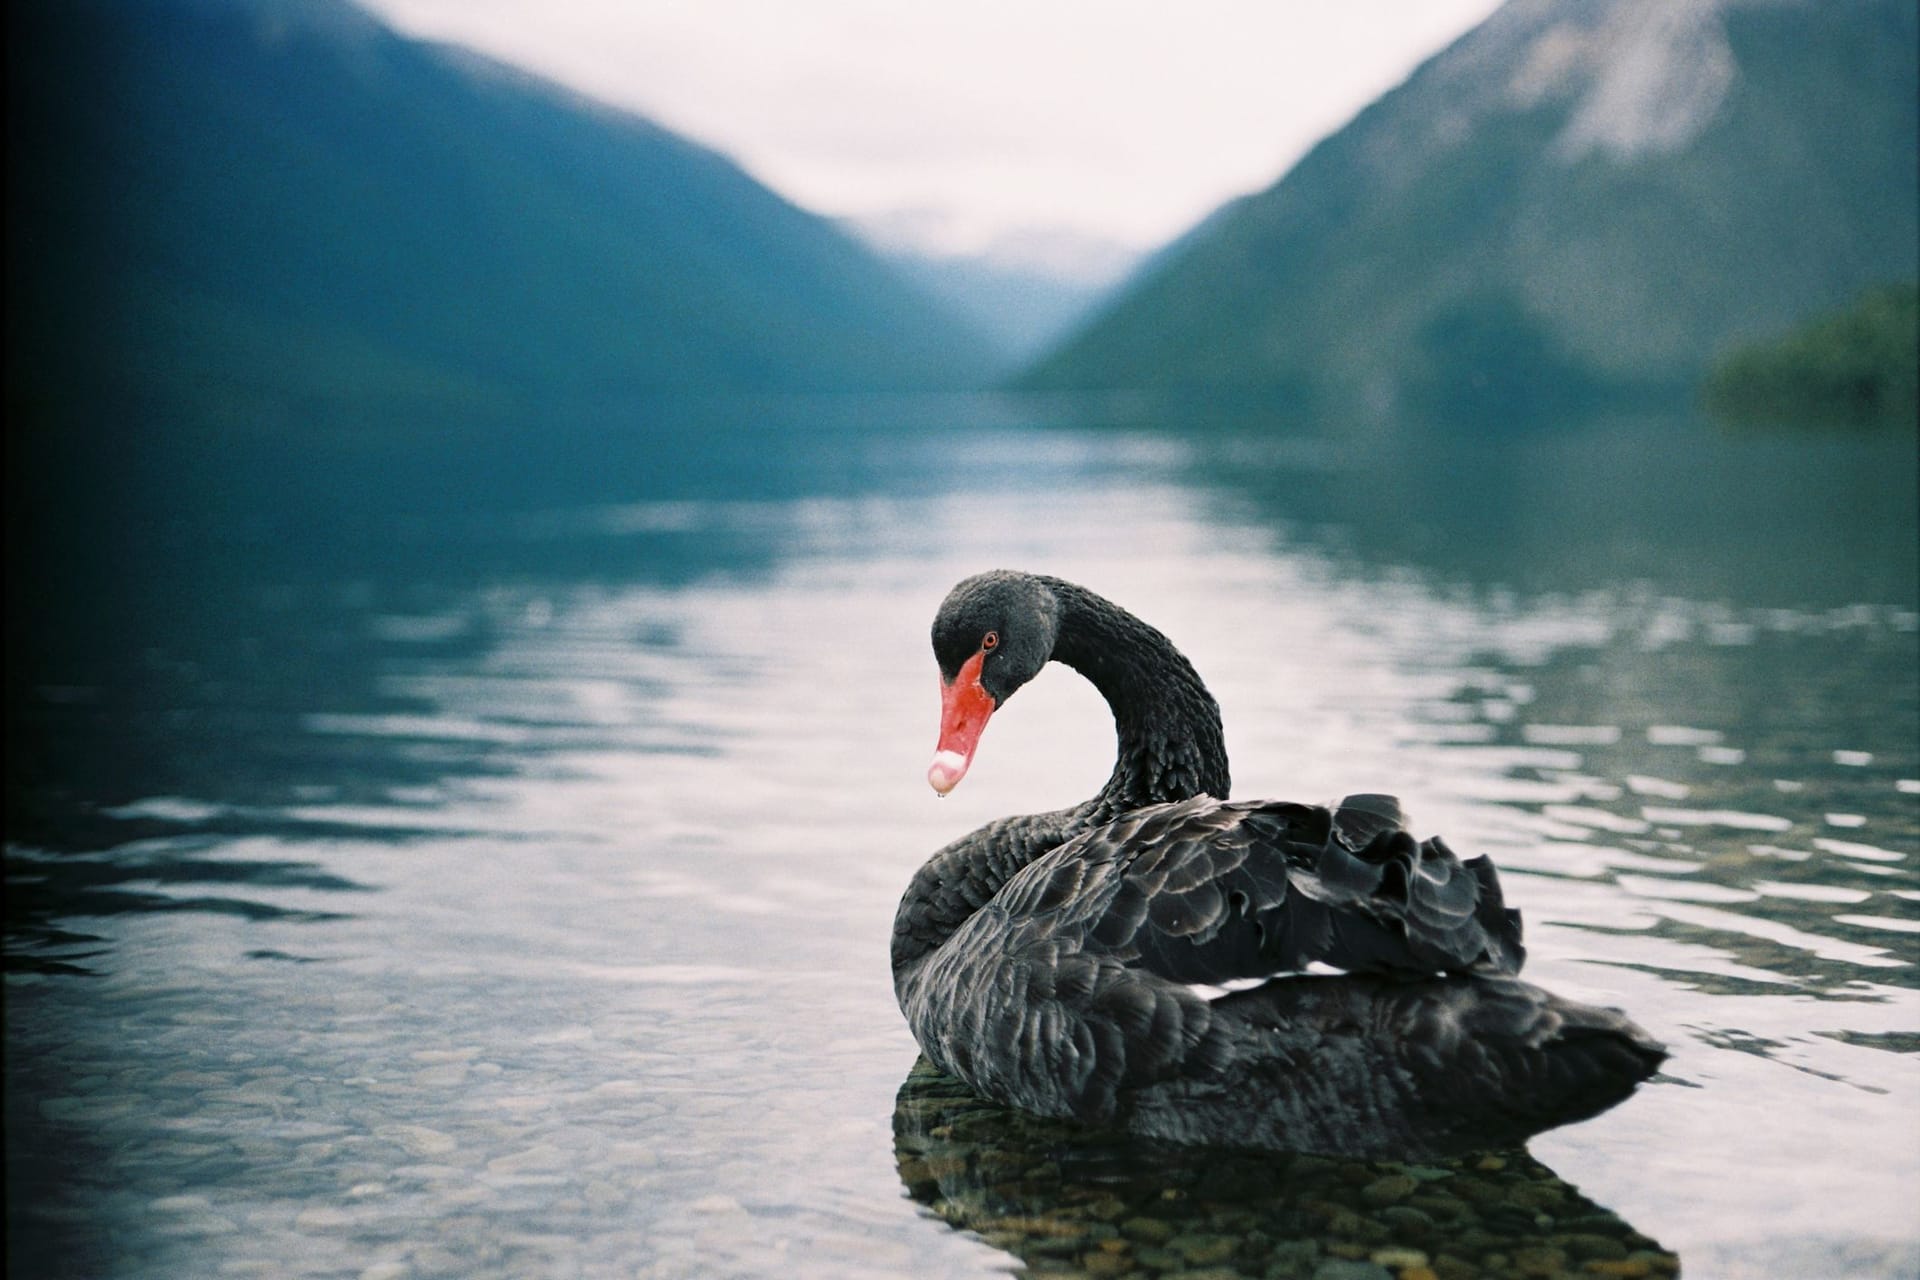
<point>512,898</point>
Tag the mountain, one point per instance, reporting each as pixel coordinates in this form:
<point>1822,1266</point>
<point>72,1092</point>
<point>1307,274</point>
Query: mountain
<point>1577,199</point>
<point>1025,289</point>
<point>281,214</point>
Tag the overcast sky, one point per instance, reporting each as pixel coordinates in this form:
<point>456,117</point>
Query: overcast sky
<point>1115,118</point>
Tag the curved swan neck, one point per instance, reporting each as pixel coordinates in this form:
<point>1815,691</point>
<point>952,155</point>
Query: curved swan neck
<point>1171,745</point>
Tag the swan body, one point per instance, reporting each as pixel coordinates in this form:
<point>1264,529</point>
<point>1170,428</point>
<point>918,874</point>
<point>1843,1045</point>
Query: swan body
<point>1074,963</point>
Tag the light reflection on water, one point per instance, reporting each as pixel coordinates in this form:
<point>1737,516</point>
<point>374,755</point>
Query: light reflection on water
<point>552,937</point>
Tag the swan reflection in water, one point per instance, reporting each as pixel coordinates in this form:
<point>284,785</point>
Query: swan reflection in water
<point>1069,1199</point>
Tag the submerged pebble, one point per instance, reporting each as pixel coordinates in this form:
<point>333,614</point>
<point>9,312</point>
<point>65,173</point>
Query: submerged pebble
<point>1343,1269</point>
<point>1389,1190</point>
<point>1174,1214</point>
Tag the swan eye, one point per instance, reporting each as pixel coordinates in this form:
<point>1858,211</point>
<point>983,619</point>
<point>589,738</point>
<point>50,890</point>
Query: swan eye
<point>989,642</point>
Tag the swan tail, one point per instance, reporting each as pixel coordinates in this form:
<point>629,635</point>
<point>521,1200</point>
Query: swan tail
<point>1553,1061</point>
<point>1382,1067</point>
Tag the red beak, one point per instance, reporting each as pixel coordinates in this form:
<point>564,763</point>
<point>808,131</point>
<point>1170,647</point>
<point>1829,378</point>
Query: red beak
<point>964,708</point>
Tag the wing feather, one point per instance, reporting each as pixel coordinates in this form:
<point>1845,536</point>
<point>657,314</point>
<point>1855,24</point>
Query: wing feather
<point>1081,962</point>
<point>1204,892</point>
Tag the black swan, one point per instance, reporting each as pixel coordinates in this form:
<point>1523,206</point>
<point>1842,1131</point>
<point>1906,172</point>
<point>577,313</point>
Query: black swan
<point>1071,963</point>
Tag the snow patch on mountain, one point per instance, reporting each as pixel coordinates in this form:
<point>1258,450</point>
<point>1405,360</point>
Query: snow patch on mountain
<point>1646,76</point>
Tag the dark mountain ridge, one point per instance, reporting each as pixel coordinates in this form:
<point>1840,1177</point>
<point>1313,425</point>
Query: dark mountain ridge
<point>279,211</point>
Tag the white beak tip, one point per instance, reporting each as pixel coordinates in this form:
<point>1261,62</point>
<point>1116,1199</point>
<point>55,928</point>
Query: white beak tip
<point>948,767</point>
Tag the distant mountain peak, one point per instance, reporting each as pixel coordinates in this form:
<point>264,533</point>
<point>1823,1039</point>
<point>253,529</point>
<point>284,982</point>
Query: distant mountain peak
<point>1066,254</point>
<point>1022,287</point>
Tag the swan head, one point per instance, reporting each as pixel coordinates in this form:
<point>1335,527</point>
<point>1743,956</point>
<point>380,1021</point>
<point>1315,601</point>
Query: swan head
<point>992,634</point>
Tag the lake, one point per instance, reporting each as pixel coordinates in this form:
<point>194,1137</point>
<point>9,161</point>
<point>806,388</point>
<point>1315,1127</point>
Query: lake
<point>503,887</point>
